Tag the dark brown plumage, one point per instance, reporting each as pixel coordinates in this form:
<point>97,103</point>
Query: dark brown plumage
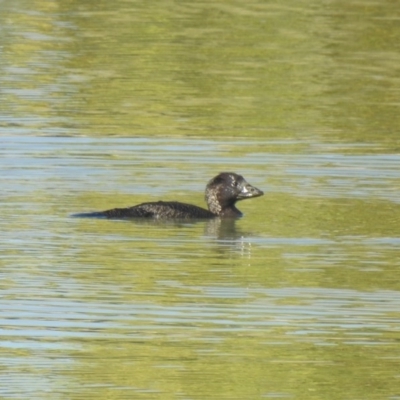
<point>222,192</point>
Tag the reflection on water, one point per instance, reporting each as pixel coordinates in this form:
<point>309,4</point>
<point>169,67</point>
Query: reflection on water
<point>216,228</point>
<point>110,104</point>
<point>304,282</point>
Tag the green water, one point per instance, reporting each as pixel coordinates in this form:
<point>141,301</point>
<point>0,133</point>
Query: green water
<point>109,104</point>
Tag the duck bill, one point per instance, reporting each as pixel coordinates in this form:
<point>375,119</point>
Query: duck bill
<point>248,191</point>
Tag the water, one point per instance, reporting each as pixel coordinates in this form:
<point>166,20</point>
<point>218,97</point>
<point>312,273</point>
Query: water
<point>111,105</point>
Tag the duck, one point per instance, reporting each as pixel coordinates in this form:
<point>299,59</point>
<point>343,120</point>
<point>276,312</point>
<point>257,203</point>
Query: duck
<point>221,194</point>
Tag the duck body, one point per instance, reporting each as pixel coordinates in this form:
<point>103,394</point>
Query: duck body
<point>158,210</point>
<point>222,192</point>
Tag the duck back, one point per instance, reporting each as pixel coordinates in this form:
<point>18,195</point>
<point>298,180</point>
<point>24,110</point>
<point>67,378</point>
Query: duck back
<point>158,210</point>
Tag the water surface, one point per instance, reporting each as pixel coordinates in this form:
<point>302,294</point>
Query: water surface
<point>112,104</point>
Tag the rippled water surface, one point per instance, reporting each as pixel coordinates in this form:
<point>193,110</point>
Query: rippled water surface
<point>111,104</point>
